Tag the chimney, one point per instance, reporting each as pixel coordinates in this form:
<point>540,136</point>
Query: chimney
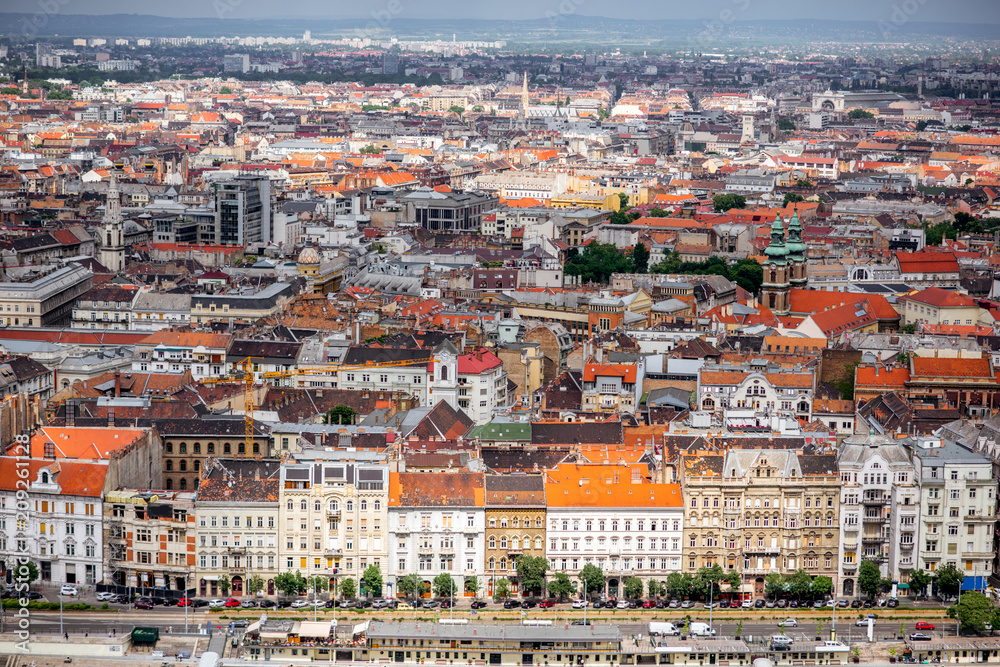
<point>118,384</point>
<point>111,417</point>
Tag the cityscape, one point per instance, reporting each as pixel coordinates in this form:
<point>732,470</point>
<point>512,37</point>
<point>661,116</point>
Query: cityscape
<point>506,336</point>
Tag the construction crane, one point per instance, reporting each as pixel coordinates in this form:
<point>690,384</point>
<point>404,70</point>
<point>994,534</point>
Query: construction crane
<point>245,374</point>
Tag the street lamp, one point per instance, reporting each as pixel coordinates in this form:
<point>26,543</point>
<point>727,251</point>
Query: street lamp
<point>188,600</point>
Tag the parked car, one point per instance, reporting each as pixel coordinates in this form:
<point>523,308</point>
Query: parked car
<point>345,604</point>
<point>818,604</point>
<point>747,604</point>
<point>266,604</point>
<point>579,604</point>
<point>794,604</point>
<point>529,603</point>
<point>711,605</point>
<point>579,621</point>
<point>105,596</point>
<point>892,603</point>
<point>924,625</point>
<point>662,603</point>
<point>199,603</point>
<point>687,604</point>
<point>788,623</point>
<point>759,604</point>
<point>782,604</point>
<point>771,604</point>
<point>361,603</point>
<point>165,602</point>
<point>405,606</point>
<point>480,604</point>
<point>144,603</point>
<point>649,604</point>
<point>185,602</point>
<point>68,590</point>
<point>919,637</point>
<point>843,604</point>
<point>856,604</point>
<point>299,604</point>
<point>248,603</point>
<point>429,604</point>
<point>547,604</point>
<point>511,604</point>
<point>216,603</point>
<point>330,604</point>
<point>231,603</point>
<point>725,604</point>
<point>675,604</point>
<point>446,604</point>
<point>867,604</point>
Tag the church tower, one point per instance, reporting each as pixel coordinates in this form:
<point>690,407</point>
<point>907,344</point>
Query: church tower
<point>774,289</point>
<point>525,101</point>
<point>797,260</point>
<point>112,230</point>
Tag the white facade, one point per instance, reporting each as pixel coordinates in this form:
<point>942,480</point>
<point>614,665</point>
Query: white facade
<point>428,541</point>
<point>482,385</point>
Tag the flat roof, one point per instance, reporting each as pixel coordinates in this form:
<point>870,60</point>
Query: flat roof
<point>526,633</point>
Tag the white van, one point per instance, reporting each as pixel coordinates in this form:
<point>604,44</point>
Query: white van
<point>662,628</point>
<point>702,630</point>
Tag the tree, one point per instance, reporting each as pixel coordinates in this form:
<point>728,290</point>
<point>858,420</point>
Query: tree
<point>679,585</point>
<point>640,257</point>
<point>948,579</point>
<point>255,584</point>
<point>340,414</point>
<point>371,580</point>
<point>347,587</point>
<point>444,585</point>
<point>472,585</point>
<point>655,588</point>
<point>26,572</point>
<point>869,578</point>
<point>657,212</point>
<point>225,584</point>
<point>800,584</point>
<point>793,197</point>
<point>10,90</point>
<point>478,108</point>
<point>502,589</point>
<point>456,109</point>
<point>370,149</point>
<point>316,584</point>
<point>707,579</point>
<point>908,328</point>
<point>822,586</point>
<point>623,204</point>
<point>597,262</point>
<point>593,579</point>
<point>786,125</point>
<point>919,580</point>
<point>225,90</point>
<point>633,587</point>
<point>858,114</point>
<point>803,183</point>
<point>410,586</point>
<point>727,201</point>
<point>735,580</point>
<point>748,274</point>
<point>921,125</point>
<point>774,584</point>
<point>561,586</point>
<point>290,583</point>
<point>975,613</point>
<point>531,571</point>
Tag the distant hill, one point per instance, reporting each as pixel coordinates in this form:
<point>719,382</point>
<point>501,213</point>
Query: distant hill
<point>576,27</point>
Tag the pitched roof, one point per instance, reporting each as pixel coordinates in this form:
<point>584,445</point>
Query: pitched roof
<point>940,298</point>
<point>95,444</point>
<point>951,367</point>
<point>477,363</point>
<point>927,262</point>
<point>427,489</point>
<point>627,372</point>
<point>73,478</point>
<point>515,491</point>
<point>596,485</point>
<point>572,433</point>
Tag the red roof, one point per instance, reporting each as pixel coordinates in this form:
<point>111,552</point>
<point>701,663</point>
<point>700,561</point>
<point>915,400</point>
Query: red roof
<point>951,367</point>
<point>74,479</point>
<point>480,362</point>
<point>940,298</point>
<point>626,372</point>
<point>927,262</point>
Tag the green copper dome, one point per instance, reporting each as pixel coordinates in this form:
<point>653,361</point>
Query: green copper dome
<point>795,246</point>
<point>776,251</point>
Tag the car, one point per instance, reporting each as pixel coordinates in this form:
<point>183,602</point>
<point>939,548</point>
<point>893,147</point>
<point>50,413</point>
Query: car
<point>481,604</point>
<point>788,623</point>
<point>546,604</point>
<point>711,605</point>
<point>164,602</point>
<point>511,604</point>
<point>330,604</point>
<point>405,606</point>
<point>529,604</point>
<point>446,604</point>
<point>863,622</point>
<point>675,604</point>
<point>759,604</point>
<point>780,646</point>
<point>318,604</point>
<point>782,639</point>
<point>794,604</point>
<point>724,604</point>
<point>241,623</point>
<point>579,604</point>
<point>892,603</point>
<point>380,604</point>
<point>579,621</point>
<point>856,604</point>
<point>818,604</point>
<point>232,602</point>
<point>69,590</point>
<point>266,604</point>
<point>687,604</point>
<point>747,604</point>
<point>919,637</point>
<point>622,604</point>
<point>185,602</point>
<point>782,604</point>
<point>216,603</point>
<point>662,604</point>
<point>649,604</point>
<point>345,604</point>
<point>597,604</point>
<point>299,604</point>
<point>144,603</point>
<point>248,603</point>
<point>924,625</point>
<point>199,603</point>
<point>867,604</point>
<point>771,604</point>
<point>363,604</point>
<point>124,598</point>
<point>429,604</point>
<point>105,596</point>
<point>843,604</point>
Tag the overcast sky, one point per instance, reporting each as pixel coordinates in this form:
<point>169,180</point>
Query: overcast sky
<point>961,11</point>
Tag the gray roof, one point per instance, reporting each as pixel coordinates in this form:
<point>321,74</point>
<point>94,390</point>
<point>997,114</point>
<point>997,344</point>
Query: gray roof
<point>163,302</point>
<point>512,633</point>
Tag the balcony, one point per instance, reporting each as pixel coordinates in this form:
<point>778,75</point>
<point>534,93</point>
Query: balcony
<point>236,550</point>
<point>332,551</point>
<point>512,552</point>
<point>873,519</point>
<point>770,551</point>
<point>849,567</point>
<point>872,539</point>
<point>238,568</point>
<point>425,550</point>
<point>851,547</point>
<point>981,517</point>
<point>875,500</point>
<point>332,513</point>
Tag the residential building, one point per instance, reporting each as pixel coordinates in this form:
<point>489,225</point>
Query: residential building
<point>447,212</point>
<point>757,511</point>
<point>515,525</point>
<point>155,311</point>
<point>201,354</point>
<point>612,387</point>
<point>150,540</point>
<point>612,516</point>
<point>935,305</point>
<point>957,508</point>
<point>334,514</point>
<point>45,301</point>
<point>237,525</point>
<point>190,443</point>
<point>241,308</point>
<point>482,385</point>
<point>437,523</point>
<point>879,509</point>
<point>106,307</point>
<point>244,206</point>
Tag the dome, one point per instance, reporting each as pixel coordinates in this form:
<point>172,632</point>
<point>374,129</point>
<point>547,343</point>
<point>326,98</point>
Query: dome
<point>308,256</point>
<point>776,251</point>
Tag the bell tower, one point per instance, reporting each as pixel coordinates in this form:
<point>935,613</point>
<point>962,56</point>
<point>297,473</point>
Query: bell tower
<point>774,289</point>
<point>112,230</point>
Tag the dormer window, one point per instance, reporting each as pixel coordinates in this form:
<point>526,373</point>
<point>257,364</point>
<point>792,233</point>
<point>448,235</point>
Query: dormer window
<point>45,477</point>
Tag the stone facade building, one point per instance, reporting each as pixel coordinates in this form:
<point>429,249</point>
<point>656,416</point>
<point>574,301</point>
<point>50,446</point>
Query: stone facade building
<point>515,525</point>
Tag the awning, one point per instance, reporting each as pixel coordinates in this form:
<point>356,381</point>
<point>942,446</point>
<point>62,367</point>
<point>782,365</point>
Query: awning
<point>315,629</point>
<point>274,635</point>
<point>975,583</point>
<point>360,628</point>
<point>902,586</point>
<point>253,627</point>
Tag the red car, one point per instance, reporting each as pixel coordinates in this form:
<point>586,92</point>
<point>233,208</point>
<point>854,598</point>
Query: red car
<point>546,604</point>
<point>648,604</point>
<point>924,625</point>
<point>185,602</point>
<point>232,602</point>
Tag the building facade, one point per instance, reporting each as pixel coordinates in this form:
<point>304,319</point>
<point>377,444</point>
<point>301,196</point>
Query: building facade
<point>515,526</point>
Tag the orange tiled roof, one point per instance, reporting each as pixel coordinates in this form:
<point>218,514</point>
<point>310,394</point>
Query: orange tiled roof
<point>948,367</point>
<point>598,485</point>
<point>96,444</point>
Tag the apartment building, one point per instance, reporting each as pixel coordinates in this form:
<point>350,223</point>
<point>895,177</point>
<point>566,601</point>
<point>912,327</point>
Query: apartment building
<point>334,519</point>
<point>203,354</point>
<point>957,508</point>
<point>482,385</point>
<point>614,517</point>
<point>237,526</point>
<point>438,525</point>
<point>745,394</point>
<point>150,539</point>
<point>612,387</point>
<point>758,511</point>
<point>880,508</point>
<point>515,525</point>
<point>105,307</point>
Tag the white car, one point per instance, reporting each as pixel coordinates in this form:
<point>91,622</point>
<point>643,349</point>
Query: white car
<point>216,603</point>
<point>105,596</point>
<point>863,622</point>
<point>622,604</point>
<point>788,623</point>
<point>579,604</point>
<point>747,604</point>
<point>300,604</point>
<point>68,589</point>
